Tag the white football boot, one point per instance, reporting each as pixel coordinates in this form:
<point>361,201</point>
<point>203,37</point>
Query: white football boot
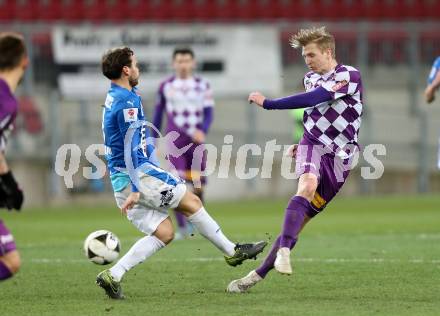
<point>244,284</point>
<point>282,262</point>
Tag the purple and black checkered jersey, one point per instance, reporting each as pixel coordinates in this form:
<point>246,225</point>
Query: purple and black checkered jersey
<point>8,112</point>
<point>336,123</point>
<point>185,100</point>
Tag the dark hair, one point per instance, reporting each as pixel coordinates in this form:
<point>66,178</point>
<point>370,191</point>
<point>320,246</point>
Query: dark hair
<point>114,60</point>
<point>183,51</point>
<point>12,50</point>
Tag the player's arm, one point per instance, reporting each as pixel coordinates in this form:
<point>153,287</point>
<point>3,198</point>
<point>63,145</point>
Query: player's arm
<point>431,88</point>
<point>297,101</point>
<point>11,196</point>
<point>125,121</point>
<point>208,116</point>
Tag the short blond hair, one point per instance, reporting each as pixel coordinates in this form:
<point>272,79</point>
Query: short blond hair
<point>318,35</point>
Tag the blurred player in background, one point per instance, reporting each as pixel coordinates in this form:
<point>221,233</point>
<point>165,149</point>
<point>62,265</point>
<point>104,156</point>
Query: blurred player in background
<point>153,190</point>
<point>188,103</point>
<point>433,81</point>
<point>431,88</point>
<point>13,62</point>
<point>332,118</point>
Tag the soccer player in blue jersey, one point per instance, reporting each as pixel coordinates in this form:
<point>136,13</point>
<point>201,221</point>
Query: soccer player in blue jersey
<point>332,119</point>
<point>433,81</point>
<point>144,191</point>
<point>13,62</point>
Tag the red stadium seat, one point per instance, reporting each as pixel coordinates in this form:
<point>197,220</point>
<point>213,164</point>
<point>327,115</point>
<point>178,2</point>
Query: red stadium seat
<point>7,10</point>
<point>292,10</point>
<point>313,10</point>
<point>49,10</point>
<point>353,10</point>
<point>373,9</point>
<point>139,11</point>
<point>226,10</point>
<point>26,11</point>
<point>94,10</point>
<point>205,10</point>
<point>73,11</point>
<point>183,10</point>
<point>248,10</point>
<point>332,10</point>
<point>161,11</point>
<point>117,11</point>
<point>393,10</point>
<point>431,9</point>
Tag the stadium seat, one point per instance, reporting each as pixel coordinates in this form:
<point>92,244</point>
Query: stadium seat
<point>353,10</point>
<point>431,9</point>
<point>226,10</point>
<point>248,10</point>
<point>205,10</point>
<point>285,10</point>
<point>73,11</point>
<point>7,10</point>
<point>139,11</point>
<point>117,11</point>
<point>183,10</point>
<point>26,10</point>
<point>373,9</point>
<point>94,10</point>
<point>49,10</point>
<point>161,11</point>
<point>332,10</point>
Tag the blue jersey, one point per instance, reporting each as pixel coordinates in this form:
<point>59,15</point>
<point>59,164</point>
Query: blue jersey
<point>122,109</point>
<point>434,70</point>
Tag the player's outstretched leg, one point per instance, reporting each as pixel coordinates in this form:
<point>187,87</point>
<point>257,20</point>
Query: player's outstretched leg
<point>244,284</point>
<point>294,219</point>
<point>235,254</point>
<point>111,287</point>
<point>144,248</point>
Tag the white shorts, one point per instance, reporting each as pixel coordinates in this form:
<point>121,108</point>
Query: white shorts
<point>159,191</point>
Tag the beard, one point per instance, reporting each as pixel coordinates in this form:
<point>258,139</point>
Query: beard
<point>133,81</point>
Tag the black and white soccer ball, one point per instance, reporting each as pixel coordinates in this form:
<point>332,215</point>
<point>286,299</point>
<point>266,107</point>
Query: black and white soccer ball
<point>102,247</point>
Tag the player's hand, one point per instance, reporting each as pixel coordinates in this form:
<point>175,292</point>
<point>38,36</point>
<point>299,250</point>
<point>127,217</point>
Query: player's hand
<point>11,195</point>
<point>429,94</point>
<point>291,151</point>
<point>198,137</point>
<point>257,98</point>
<point>131,200</point>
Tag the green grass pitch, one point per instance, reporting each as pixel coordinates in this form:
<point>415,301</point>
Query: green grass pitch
<point>362,256</point>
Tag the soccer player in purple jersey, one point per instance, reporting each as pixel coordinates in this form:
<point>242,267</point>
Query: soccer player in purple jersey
<point>13,62</point>
<point>189,105</point>
<point>332,118</point>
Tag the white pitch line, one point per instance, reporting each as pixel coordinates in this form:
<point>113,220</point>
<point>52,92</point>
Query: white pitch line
<point>214,259</point>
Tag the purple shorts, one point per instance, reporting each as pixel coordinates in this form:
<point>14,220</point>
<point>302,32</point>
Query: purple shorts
<point>7,243</point>
<point>331,171</point>
<point>191,163</point>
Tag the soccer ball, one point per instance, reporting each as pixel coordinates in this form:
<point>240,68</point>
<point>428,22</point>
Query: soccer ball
<point>102,247</point>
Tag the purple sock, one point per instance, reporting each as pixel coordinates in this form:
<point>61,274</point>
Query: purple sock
<point>267,265</point>
<point>4,271</point>
<point>181,220</point>
<point>293,219</point>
